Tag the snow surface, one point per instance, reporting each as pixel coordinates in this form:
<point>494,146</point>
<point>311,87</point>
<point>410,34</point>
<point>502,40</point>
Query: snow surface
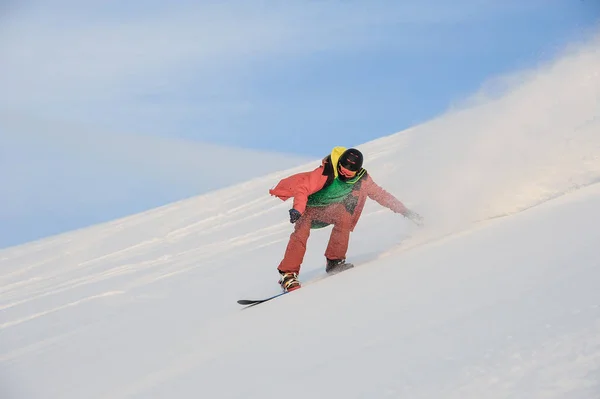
<point>496,297</point>
<point>62,176</point>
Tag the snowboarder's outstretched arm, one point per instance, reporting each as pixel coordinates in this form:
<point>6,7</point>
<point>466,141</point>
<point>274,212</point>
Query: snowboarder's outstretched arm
<point>384,198</point>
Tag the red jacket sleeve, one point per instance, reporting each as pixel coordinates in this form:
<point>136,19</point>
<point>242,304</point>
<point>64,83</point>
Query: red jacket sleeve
<point>300,186</point>
<point>384,198</point>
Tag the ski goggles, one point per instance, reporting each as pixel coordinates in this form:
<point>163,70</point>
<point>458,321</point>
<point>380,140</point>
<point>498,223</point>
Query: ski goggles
<point>346,172</point>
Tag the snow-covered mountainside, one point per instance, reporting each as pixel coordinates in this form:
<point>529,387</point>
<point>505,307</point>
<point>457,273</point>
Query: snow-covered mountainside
<point>62,176</point>
<point>495,297</point>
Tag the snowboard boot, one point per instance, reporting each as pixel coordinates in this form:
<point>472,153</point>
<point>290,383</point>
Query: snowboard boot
<point>289,281</point>
<point>337,265</point>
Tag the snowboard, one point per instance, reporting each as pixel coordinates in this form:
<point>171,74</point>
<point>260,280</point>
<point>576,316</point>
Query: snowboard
<point>253,302</point>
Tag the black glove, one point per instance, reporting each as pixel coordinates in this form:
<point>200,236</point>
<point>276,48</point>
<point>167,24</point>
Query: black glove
<point>294,215</point>
<point>414,216</point>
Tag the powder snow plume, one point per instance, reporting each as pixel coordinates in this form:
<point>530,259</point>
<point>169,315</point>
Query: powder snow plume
<point>501,154</point>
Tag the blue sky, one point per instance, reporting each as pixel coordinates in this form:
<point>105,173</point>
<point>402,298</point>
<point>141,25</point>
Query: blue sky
<point>293,77</point>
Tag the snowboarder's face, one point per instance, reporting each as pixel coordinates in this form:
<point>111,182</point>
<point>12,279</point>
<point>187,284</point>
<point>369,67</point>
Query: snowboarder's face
<point>347,173</point>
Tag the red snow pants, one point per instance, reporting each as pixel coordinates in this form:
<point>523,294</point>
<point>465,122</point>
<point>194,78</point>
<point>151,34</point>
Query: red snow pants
<point>335,214</point>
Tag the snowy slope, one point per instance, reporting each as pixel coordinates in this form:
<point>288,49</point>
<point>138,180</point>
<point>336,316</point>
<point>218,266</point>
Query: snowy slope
<point>496,297</point>
<point>62,176</point>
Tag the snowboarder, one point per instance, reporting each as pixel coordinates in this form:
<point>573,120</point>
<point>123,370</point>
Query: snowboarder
<point>334,193</point>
